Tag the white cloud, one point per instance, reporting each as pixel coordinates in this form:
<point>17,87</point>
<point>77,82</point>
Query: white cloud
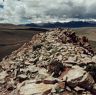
<point>25,11</point>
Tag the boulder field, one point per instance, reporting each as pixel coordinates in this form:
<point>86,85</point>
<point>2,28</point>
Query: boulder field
<point>56,62</point>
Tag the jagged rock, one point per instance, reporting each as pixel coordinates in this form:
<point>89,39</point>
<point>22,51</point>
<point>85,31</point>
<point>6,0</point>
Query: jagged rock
<point>78,77</point>
<point>78,89</point>
<point>57,62</point>
<point>3,75</point>
<point>32,68</point>
<point>59,57</point>
<point>43,71</point>
<point>94,88</point>
<point>14,92</point>
<point>22,77</point>
<point>27,63</point>
<point>94,59</point>
<point>55,68</point>
<point>30,88</point>
<point>10,88</point>
<point>72,59</point>
<point>1,69</point>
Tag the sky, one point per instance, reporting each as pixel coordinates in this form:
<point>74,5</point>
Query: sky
<point>44,11</point>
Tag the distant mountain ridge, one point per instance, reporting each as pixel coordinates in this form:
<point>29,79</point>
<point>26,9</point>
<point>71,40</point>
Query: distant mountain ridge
<point>72,24</point>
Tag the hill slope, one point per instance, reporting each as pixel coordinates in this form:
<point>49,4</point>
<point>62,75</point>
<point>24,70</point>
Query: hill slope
<point>55,62</point>
<point>13,37</point>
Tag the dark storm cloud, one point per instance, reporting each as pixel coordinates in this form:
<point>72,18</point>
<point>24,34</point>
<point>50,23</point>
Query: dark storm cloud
<point>47,10</point>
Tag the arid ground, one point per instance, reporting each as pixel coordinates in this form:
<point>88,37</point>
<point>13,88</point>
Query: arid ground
<point>12,37</point>
<point>90,33</point>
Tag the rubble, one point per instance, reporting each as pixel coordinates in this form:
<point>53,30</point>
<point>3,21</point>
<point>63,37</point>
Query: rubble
<point>31,88</point>
<point>57,62</point>
<point>79,77</point>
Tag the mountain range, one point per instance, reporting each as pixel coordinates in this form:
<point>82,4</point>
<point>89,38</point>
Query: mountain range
<point>71,24</point>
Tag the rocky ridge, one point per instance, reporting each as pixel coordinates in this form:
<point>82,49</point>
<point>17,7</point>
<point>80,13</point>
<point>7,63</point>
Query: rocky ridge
<point>56,62</point>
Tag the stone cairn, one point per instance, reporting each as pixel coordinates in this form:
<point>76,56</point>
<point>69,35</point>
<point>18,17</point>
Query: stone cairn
<point>56,62</point>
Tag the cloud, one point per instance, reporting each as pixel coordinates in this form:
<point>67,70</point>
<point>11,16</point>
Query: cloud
<point>36,11</point>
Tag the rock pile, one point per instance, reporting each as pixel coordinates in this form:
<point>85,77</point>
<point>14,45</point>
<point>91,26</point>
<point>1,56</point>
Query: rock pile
<point>53,63</point>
